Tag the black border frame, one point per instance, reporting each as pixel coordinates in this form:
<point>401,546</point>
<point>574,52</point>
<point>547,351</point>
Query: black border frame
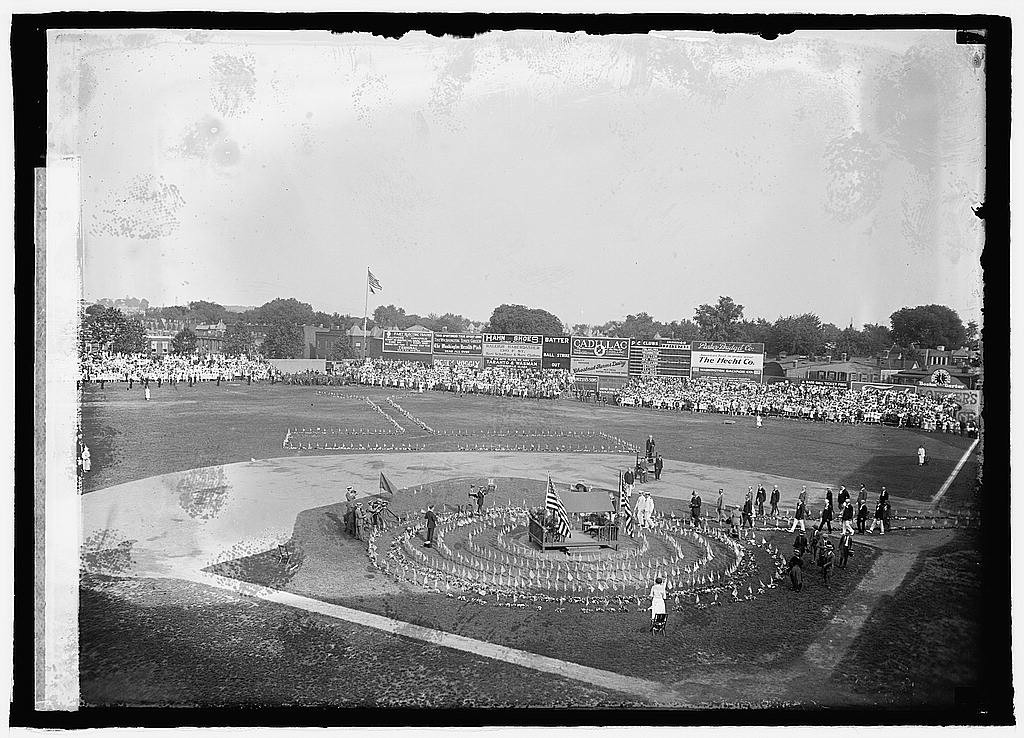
<point>28,52</point>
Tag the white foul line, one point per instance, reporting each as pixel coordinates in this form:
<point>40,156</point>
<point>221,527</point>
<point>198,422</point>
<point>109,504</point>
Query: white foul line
<point>956,470</point>
<point>649,690</point>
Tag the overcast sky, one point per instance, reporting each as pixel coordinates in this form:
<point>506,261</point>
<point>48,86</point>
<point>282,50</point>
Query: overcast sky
<point>829,172</point>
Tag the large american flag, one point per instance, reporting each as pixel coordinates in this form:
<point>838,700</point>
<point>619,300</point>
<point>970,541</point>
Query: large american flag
<point>554,504</point>
<point>373,282</point>
<point>627,514</point>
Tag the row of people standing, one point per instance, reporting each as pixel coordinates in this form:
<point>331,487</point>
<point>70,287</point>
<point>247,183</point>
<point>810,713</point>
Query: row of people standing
<point>846,511</point>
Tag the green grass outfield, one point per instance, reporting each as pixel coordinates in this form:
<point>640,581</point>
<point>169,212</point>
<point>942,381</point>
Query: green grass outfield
<point>183,428</point>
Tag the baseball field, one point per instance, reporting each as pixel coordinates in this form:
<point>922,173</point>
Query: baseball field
<point>217,571</point>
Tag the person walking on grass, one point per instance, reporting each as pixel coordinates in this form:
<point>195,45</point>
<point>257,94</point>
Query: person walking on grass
<point>627,479</point>
<point>658,615</point>
<point>720,506</point>
<point>800,544</point>
<point>845,548</point>
<point>640,510</point>
<point>799,513</point>
<point>826,559</point>
<point>862,516</point>
<point>735,521</point>
<point>920,455</point>
<point>827,512</point>
<point>431,519</point>
<point>775,501</point>
<point>796,572</point>
<point>847,517</point>
<point>748,511</point>
<point>879,518</point>
<point>695,509</point>
<point>761,496</point>
<point>842,497</point>
<point>816,536</point>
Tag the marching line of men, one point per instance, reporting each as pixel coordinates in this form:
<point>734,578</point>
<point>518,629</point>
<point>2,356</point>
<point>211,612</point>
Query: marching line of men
<point>742,516</point>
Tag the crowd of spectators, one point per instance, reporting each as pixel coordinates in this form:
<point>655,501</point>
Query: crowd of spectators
<point>813,402</point>
<point>805,401</point>
<point>461,378</point>
<point>139,368</point>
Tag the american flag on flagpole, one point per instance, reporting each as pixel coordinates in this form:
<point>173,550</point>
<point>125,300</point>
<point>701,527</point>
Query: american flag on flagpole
<point>627,514</point>
<point>373,282</point>
<point>554,504</point>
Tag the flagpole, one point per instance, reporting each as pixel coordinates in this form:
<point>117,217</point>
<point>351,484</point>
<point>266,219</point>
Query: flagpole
<point>366,305</point>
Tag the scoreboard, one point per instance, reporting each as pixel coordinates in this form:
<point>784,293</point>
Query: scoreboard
<point>659,358</point>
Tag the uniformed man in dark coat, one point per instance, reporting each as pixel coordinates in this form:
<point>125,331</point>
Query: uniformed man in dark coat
<point>431,525</point>
<point>659,464</point>
<point>844,495</point>
<point>800,544</point>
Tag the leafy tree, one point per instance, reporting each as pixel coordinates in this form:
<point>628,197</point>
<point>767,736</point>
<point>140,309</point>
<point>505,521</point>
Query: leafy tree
<point>852,341</point>
<point>174,312</point>
<point>796,334</point>
<point>283,341</point>
<point>341,350</point>
<point>877,338</point>
<point>971,335</point>
<point>830,336</point>
<point>389,315</point>
<point>281,311</point>
<point>753,331</point>
<point>928,326</point>
<point>581,329</point>
<point>719,322</point>
<point>641,326</point>
<point>452,323</point>
<point>682,330</point>
<point>110,329</point>
<point>521,319</point>
<point>129,338</point>
<point>206,312</point>
<point>184,341</point>
<point>239,340</point>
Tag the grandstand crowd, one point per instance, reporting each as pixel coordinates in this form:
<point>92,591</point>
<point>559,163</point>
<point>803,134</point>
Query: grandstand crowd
<point>804,401</point>
<point>463,378</point>
<point>795,400</point>
<point>138,368</point>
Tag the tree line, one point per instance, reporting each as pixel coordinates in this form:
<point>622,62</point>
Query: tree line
<point>276,326</point>
<point>911,328</point>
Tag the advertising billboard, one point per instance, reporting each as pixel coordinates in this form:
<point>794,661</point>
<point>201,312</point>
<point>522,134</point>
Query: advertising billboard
<point>458,344</point>
<point>657,357</point>
<point>727,359</point>
<point>513,350</point>
<point>457,363</point>
<point>969,400</point>
<point>555,352</point>
<point>407,342</point>
<point>601,357</point>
